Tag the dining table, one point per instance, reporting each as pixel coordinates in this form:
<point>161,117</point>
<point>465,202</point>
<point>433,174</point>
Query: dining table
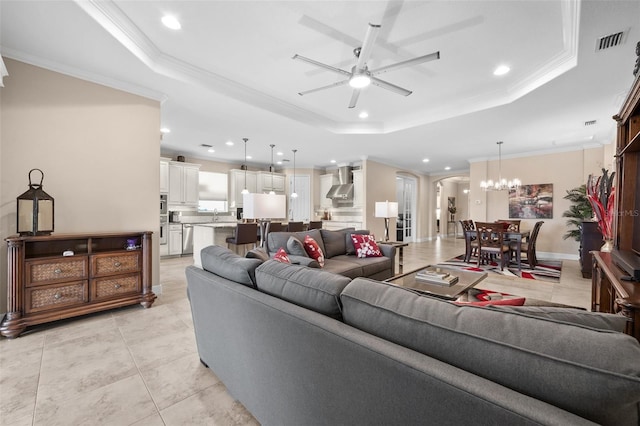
<point>508,236</point>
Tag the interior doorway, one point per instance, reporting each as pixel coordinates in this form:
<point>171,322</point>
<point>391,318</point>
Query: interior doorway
<point>406,187</point>
<point>452,205</point>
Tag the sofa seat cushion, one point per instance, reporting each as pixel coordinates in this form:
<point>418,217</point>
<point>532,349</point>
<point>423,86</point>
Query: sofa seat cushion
<point>313,289</point>
<point>370,265</point>
<point>592,373</point>
<point>225,263</point>
<point>342,267</point>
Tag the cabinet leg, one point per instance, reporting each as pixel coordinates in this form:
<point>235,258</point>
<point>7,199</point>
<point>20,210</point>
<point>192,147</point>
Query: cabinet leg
<point>12,325</point>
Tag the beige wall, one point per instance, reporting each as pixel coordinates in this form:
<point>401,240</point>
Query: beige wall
<point>98,147</point>
<point>565,170</point>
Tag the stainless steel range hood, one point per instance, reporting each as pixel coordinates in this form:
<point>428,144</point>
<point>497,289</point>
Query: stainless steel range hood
<point>344,190</point>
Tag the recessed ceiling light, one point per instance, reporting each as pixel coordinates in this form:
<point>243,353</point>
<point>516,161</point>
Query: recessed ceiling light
<point>211,150</point>
<point>447,168</point>
<point>165,130</point>
<point>249,157</point>
<point>425,160</point>
<point>363,114</point>
<point>229,143</point>
<point>278,162</point>
<point>501,70</point>
<point>171,22</point>
<point>279,153</point>
<point>332,161</point>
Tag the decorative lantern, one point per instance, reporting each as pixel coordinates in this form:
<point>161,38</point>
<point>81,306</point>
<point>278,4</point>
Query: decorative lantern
<point>35,210</point>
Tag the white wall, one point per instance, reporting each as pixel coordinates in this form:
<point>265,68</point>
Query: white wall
<point>98,147</point>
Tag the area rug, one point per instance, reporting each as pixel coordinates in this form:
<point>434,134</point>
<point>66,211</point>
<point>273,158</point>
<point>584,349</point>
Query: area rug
<point>545,270</point>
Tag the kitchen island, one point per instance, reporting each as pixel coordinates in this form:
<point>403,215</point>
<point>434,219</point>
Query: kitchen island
<point>206,234</point>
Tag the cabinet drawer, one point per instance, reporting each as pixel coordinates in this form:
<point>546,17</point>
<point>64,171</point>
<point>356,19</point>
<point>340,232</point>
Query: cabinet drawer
<point>115,263</point>
<point>115,286</point>
<point>56,296</point>
<point>40,272</point>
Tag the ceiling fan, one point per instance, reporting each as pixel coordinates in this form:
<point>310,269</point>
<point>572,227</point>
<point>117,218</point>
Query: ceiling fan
<point>360,75</point>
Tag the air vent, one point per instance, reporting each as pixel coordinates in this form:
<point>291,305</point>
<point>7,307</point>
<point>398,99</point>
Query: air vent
<point>611,40</point>
<point>206,145</point>
<point>590,123</point>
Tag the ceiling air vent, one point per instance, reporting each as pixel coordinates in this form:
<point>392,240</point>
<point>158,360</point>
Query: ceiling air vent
<point>590,123</point>
<point>611,40</point>
<point>206,145</point>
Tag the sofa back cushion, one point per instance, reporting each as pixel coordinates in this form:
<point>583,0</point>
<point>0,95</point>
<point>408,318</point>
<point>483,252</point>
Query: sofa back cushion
<point>592,373</point>
<point>310,288</point>
<point>275,240</point>
<point>335,242</point>
<point>225,263</point>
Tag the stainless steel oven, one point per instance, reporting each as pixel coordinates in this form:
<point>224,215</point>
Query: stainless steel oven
<point>164,230</point>
<point>163,204</point>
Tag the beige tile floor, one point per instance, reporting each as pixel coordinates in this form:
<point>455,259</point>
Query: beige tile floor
<point>136,366</point>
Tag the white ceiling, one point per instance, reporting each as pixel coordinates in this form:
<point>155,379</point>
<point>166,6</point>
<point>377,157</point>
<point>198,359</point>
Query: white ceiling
<point>229,73</point>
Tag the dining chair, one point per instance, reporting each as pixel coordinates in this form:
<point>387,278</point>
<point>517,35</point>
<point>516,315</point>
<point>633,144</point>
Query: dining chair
<point>246,233</point>
<point>471,245</point>
<point>295,227</point>
<point>315,224</point>
<point>529,247</point>
<point>491,244</point>
<point>275,227</point>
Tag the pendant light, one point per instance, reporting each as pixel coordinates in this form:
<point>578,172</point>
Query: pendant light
<point>501,184</point>
<point>272,192</point>
<point>244,166</point>
<point>294,194</point>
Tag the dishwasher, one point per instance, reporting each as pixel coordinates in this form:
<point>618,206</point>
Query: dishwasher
<point>187,238</point>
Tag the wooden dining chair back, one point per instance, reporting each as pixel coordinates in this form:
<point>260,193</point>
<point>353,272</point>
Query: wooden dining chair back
<point>246,233</point>
<point>529,247</point>
<point>275,227</point>
<point>491,243</point>
<point>295,227</point>
<point>315,224</point>
<point>512,225</point>
<point>471,245</point>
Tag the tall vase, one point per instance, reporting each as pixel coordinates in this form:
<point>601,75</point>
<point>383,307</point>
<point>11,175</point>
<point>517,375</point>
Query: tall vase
<point>608,245</point>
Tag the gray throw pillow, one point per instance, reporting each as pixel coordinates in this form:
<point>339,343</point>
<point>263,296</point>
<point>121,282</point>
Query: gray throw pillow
<point>295,247</point>
<point>349,242</point>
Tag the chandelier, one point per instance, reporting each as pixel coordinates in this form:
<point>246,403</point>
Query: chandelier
<point>501,184</point>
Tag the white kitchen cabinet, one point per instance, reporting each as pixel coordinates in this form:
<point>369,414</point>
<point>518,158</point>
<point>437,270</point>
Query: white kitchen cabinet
<point>358,188</point>
<point>183,184</point>
<point>237,184</point>
<point>164,176</point>
<point>268,181</point>
<point>175,239</point>
<point>326,182</point>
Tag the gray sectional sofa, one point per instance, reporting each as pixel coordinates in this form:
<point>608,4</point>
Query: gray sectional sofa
<point>338,251</point>
<point>301,346</point>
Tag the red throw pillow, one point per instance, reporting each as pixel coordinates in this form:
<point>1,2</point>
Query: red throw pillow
<point>281,256</point>
<point>365,246</point>
<point>480,297</point>
<point>313,250</point>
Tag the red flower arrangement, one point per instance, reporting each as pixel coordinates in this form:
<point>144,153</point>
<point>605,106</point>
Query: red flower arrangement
<point>601,195</point>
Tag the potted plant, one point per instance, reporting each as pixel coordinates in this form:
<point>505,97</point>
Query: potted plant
<point>578,212</point>
<point>601,195</point>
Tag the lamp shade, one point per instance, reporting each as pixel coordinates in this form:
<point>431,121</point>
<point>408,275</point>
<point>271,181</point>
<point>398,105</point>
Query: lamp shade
<point>264,206</point>
<point>386,209</point>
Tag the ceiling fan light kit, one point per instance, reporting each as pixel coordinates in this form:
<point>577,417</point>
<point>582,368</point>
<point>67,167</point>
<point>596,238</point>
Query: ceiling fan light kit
<point>360,75</point>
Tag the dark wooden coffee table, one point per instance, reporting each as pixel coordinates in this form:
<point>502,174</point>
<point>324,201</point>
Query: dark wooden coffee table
<point>466,280</point>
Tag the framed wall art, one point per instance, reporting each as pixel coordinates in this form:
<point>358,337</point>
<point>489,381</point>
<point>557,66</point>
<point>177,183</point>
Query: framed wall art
<point>531,202</point>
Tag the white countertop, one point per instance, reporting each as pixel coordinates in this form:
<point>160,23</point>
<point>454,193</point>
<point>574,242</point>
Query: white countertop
<point>217,224</point>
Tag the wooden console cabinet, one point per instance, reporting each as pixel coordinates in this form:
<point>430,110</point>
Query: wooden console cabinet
<point>611,294</point>
<point>102,273</point>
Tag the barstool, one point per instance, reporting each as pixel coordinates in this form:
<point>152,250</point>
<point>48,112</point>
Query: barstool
<point>246,233</point>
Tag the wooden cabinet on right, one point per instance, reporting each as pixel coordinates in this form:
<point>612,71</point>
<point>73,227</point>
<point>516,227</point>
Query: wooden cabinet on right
<point>590,239</point>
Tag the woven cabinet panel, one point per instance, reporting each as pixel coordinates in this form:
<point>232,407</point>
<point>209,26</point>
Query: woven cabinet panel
<point>107,287</point>
<point>56,270</point>
<point>51,297</point>
<point>116,263</point>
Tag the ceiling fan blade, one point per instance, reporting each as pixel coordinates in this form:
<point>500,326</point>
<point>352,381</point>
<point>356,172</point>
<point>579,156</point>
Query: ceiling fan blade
<point>354,98</point>
<point>321,65</point>
<point>367,45</point>
<point>389,86</point>
<point>329,86</point>
<point>409,62</point>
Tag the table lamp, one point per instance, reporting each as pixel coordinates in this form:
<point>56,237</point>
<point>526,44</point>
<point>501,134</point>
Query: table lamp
<point>387,210</point>
<point>264,207</point>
